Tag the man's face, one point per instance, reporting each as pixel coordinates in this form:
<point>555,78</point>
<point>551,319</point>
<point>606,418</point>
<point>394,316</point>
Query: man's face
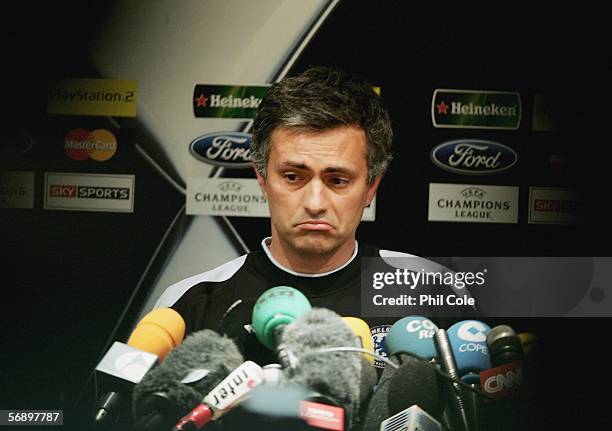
<point>317,188</point>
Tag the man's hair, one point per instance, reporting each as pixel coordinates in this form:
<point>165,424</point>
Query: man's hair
<point>321,99</point>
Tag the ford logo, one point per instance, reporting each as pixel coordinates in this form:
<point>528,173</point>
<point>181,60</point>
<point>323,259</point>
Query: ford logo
<point>473,157</point>
<point>229,149</point>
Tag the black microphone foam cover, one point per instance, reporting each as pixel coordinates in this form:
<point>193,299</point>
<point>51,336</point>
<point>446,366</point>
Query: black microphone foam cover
<point>378,407</point>
<point>504,345</point>
<point>416,382</point>
<point>162,388</point>
<point>335,374</point>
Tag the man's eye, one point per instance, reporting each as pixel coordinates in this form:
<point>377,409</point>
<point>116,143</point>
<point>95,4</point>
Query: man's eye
<point>292,178</point>
<point>339,181</point>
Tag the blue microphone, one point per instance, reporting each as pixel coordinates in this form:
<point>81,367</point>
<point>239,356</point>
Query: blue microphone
<point>410,340</point>
<point>413,335</point>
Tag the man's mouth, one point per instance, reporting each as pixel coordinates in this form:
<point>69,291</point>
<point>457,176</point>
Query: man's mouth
<point>315,225</point>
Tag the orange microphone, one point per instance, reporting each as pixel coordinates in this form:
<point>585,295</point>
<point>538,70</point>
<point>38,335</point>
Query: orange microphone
<point>124,365</point>
<point>158,332</point>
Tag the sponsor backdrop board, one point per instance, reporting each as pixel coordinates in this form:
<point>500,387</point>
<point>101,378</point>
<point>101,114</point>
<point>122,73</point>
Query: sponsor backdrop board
<point>473,203</point>
<point>475,109</point>
<point>226,196</point>
<point>473,157</point>
<point>99,97</point>
<point>227,101</point>
<point>548,205</point>
<point>17,189</point>
<point>89,192</point>
<point>169,49</point>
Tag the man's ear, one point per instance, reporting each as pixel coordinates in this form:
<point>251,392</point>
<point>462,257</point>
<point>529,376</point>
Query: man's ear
<point>372,188</point>
<point>262,182</point>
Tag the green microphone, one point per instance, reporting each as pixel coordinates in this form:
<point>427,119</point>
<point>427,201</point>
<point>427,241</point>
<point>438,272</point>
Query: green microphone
<point>275,308</point>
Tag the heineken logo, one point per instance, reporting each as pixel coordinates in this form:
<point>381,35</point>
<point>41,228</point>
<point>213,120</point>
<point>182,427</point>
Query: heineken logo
<point>230,149</point>
<point>227,101</point>
<point>221,101</point>
<point>472,109</point>
<point>473,157</point>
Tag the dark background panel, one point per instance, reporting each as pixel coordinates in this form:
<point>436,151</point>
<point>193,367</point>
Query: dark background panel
<point>67,277</point>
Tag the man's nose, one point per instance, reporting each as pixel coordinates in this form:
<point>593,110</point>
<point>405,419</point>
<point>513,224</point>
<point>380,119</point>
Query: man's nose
<point>315,198</point>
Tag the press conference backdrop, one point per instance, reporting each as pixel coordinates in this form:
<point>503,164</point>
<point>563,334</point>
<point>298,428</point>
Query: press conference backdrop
<point>506,83</point>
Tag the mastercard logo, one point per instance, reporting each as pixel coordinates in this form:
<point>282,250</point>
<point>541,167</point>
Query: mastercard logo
<point>81,144</point>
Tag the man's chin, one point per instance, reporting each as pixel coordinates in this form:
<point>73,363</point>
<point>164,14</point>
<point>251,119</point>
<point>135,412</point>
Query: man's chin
<point>315,244</point>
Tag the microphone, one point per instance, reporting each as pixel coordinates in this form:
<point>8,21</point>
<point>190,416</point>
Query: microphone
<point>124,365</point>
<point>505,383</point>
<point>468,342</point>
<point>504,345</point>
<point>410,340</point>
<point>273,374</point>
<point>235,387</point>
<point>416,383</point>
<point>318,342</point>
<point>412,335</point>
<point>274,310</point>
<point>455,394</point>
<point>272,407</point>
<point>411,419</point>
<point>506,353</point>
<point>179,384</point>
<point>158,332</point>
<point>364,337</point>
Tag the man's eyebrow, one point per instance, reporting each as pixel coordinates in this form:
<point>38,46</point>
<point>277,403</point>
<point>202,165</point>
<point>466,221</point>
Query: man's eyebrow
<point>296,165</point>
<point>329,169</point>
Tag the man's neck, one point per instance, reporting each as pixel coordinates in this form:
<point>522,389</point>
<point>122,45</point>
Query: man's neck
<point>310,263</point>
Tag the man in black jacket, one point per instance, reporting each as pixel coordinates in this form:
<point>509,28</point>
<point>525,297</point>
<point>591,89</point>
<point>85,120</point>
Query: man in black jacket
<point>321,144</point>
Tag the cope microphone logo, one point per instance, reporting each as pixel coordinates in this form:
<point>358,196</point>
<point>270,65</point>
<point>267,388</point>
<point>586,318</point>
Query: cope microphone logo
<point>472,336</point>
<point>473,331</point>
<point>81,144</point>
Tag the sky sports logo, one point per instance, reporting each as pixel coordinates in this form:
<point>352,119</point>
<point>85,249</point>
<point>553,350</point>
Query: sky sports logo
<point>550,205</point>
<point>475,109</point>
<point>557,206</point>
<point>69,191</point>
<point>89,192</point>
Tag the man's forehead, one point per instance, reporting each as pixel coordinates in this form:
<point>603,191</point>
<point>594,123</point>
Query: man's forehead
<point>295,131</point>
<point>340,148</point>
